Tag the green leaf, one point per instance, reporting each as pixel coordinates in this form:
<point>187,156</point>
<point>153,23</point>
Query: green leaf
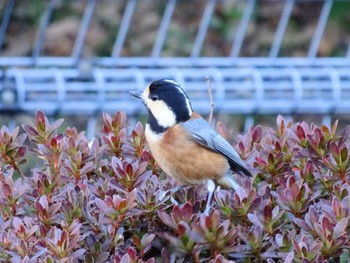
<point>344,257</point>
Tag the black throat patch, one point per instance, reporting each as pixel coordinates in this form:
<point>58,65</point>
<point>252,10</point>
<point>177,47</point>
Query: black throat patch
<point>154,125</point>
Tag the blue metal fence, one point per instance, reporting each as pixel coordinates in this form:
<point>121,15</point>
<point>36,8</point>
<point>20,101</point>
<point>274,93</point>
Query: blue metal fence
<point>75,84</point>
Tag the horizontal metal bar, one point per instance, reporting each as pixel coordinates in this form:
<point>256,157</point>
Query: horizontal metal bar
<point>246,90</point>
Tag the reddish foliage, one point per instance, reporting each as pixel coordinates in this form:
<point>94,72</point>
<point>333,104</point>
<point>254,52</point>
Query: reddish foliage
<point>106,200</point>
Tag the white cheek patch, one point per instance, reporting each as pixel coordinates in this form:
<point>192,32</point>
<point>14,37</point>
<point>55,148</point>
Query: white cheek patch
<point>164,116</point>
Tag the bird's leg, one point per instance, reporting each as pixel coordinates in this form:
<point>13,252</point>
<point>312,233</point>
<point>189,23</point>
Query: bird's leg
<point>211,188</point>
<point>177,188</point>
<point>173,191</point>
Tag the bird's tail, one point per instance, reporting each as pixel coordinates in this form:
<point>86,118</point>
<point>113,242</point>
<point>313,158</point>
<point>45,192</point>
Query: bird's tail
<point>240,168</point>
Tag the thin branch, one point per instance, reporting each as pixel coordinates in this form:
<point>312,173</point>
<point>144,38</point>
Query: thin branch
<point>211,113</point>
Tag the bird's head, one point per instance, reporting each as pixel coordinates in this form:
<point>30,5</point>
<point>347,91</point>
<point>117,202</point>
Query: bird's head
<point>167,104</point>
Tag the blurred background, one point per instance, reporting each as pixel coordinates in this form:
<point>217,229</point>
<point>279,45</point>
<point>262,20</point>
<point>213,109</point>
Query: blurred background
<point>261,58</point>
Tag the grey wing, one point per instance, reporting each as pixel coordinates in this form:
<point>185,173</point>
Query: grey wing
<point>204,135</point>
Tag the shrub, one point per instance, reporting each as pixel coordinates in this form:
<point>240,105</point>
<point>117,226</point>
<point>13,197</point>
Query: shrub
<point>106,200</point>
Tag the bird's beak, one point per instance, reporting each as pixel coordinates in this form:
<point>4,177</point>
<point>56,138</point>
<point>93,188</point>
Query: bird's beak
<point>136,94</point>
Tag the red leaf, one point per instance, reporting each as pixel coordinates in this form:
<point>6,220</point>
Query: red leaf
<point>29,130</point>
<point>181,229</point>
<point>222,130</point>
<point>309,167</point>
<point>167,219</point>
<point>326,226</point>
<point>208,222</point>
<point>256,135</point>
<point>22,151</point>
<point>268,213</point>
<point>280,124</point>
<point>54,143</point>
<point>40,120</point>
<point>335,151</point>
<point>39,208</point>
<point>300,132</point>
<point>260,161</point>
<point>318,135</point>
<point>6,189</point>
<point>129,169</point>
<point>187,211</point>
<point>339,228</point>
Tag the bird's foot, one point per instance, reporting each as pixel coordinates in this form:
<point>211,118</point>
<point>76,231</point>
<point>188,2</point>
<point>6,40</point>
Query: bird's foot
<point>174,191</point>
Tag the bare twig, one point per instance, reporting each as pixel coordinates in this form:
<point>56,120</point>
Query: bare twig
<point>211,113</point>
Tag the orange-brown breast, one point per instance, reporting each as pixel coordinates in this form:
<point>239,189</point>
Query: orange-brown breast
<point>185,160</point>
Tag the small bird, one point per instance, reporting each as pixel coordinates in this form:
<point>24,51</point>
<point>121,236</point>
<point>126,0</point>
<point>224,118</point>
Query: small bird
<point>183,144</point>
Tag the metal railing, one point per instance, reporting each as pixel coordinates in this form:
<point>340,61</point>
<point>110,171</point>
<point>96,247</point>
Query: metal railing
<point>273,83</point>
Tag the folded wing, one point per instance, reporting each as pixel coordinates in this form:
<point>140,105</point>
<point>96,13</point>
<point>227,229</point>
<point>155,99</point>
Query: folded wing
<point>203,134</point>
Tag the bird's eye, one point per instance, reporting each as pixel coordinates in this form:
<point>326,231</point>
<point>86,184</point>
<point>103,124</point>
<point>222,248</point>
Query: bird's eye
<point>154,97</point>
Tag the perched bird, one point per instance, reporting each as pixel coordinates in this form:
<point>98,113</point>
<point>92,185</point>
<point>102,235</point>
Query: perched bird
<point>183,144</point>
